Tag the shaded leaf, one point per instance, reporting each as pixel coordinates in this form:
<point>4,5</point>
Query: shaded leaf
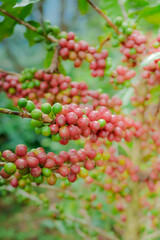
<point>48,58</point>
<point>29,34</point>
<point>8,24</point>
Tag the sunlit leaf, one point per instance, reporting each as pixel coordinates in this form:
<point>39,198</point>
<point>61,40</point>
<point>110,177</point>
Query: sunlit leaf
<point>83,6</point>
<point>22,3</point>
<point>150,58</point>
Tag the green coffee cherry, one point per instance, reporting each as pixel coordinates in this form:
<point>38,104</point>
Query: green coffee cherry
<point>10,168</point>
<point>46,108</point>
<point>30,106</point>
<point>57,108</point>
<point>22,102</point>
<point>36,114</point>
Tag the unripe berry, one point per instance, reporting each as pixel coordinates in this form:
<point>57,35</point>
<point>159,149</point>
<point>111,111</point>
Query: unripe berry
<point>10,168</point>
<point>22,102</point>
<point>46,172</point>
<point>57,108</point>
<point>52,179</point>
<point>36,114</point>
<point>46,108</point>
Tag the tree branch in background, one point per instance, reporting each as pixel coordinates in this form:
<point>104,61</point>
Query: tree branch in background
<point>110,23</point>
<point>63,26</point>
<point>25,114</point>
<point>72,218</point>
<point>12,57</point>
<point>27,25</point>
<point>54,64</point>
<point>123,9</point>
<point>73,195</point>
<point>40,8</point>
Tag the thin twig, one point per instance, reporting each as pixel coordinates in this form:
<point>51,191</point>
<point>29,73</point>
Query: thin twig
<point>104,42</point>
<point>27,25</point>
<point>10,73</point>
<point>2,164</point>
<point>54,64</point>
<point>25,114</point>
<point>110,23</point>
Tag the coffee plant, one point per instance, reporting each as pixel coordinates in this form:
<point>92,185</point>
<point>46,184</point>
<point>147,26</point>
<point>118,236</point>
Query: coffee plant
<point>115,170</point>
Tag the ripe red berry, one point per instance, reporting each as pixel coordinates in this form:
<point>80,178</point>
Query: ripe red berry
<point>32,162</point>
<point>64,171</point>
<point>21,150</point>
<point>21,163</point>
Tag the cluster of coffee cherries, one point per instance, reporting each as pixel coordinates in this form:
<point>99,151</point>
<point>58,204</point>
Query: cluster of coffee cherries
<point>132,42</point>
<point>80,51</point>
<point>70,122</point>
<point>134,46</point>
<point>151,73</point>
<point>36,165</point>
<point>54,88</point>
<point>122,75</point>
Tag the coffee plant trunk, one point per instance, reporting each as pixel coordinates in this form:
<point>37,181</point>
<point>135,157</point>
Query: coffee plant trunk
<point>131,230</point>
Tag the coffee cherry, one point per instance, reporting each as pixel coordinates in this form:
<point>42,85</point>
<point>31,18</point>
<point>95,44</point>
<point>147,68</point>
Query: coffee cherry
<point>36,172</point>
<point>22,183</point>
<point>14,182</point>
<point>46,131</point>
<point>46,108</point>
<point>57,108</point>
<point>21,163</point>
<point>36,123</point>
<point>24,171</point>
<point>3,174</point>
<point>38,130</point>
<point>83,173</point>
<point>46,172</point>
<point>64,171</point>
<point>56,137</point>
<point>21,150</point>
<point>30,106</point>
<point>22,102</point>
<point>118,21</point>
<point>72,177</point>
<point>102,122</point>
<point>32,162</point>
<point>52,179</point>
<point>42,157</point>
<point>38,179</point>
<point>36,114</point>
<point>75,169</point>
<point>10,168</point>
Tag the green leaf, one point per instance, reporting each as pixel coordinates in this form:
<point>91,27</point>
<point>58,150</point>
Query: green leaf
<point>29,34</point>
<point>48,59</point>
<point>22,3</point>
<point>150,59</point>
<point>83,6</point>
<point>8,24</point>
<point>155,95</point>
<point>61,68</point>
<point>112,8</point>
